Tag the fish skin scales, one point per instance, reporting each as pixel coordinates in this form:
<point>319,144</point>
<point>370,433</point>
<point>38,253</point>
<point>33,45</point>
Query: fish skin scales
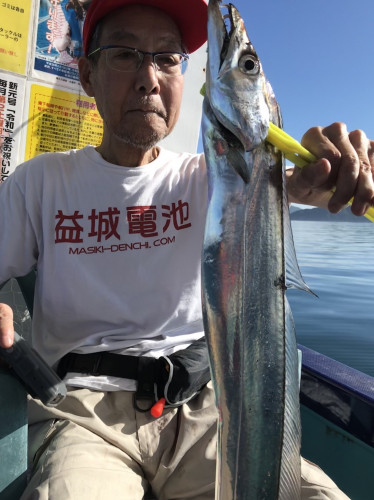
<point>248,323</point>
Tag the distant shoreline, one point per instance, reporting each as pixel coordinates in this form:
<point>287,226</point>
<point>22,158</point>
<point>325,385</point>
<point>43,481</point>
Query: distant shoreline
<point>321,215</point>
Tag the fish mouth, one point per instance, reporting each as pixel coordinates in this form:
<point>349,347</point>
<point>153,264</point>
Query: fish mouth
<point>229,22</point>
<point>234,73</point>
<point>220,26</point>
<point>227,30</point>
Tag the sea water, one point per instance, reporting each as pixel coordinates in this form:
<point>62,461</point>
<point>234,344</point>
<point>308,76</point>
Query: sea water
<point>337,262</point>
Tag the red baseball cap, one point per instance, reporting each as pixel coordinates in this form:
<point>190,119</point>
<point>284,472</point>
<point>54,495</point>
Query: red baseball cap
<point>190,16</point>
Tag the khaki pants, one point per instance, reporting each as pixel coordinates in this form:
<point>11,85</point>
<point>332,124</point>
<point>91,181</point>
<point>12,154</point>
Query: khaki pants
<point>95,446</point>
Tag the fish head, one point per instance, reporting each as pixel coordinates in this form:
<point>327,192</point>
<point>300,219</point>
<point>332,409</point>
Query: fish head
<point>236,87</point>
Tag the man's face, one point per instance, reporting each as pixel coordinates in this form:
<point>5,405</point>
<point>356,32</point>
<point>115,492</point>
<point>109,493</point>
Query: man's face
<point>142,107</point>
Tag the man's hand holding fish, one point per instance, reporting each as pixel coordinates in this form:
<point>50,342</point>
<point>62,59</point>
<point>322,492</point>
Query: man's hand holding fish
<point>346,163</point>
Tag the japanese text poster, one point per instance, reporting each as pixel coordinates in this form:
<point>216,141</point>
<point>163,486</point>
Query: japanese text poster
<point>60,120</point>
<point>12,90</point>
<point>58,42</point>
<point>14,34</point>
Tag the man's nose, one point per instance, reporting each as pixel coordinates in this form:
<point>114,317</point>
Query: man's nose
<point>147,76</point>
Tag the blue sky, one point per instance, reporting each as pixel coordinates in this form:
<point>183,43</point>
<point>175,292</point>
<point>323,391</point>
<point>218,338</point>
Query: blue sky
<point>319,58</point>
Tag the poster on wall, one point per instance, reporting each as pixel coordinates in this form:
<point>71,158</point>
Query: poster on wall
<point>59,120</point>
<point>12,90</point>
<point>14,34</point>
<point>58,41</point>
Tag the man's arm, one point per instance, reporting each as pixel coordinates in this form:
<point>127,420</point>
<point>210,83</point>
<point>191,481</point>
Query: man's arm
<point>18,229</point>
<point>346,162</point>
<point>6,326</point>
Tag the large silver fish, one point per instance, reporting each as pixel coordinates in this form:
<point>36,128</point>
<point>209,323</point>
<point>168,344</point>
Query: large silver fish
<point>248,238</point>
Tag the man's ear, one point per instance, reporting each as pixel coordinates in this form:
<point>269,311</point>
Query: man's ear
<point>85,76</point>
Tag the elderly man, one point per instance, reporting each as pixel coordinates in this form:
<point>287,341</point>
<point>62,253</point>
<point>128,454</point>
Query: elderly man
<point>116,232</point>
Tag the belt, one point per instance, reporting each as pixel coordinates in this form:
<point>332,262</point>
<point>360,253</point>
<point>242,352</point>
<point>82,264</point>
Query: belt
<point>145,370</point>
<point>103,363</point>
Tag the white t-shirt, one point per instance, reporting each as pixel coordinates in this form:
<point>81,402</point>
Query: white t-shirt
<point>118,253</point>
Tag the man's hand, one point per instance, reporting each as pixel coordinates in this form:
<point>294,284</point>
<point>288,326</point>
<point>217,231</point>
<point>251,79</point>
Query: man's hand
<point>346,163</point>
<point>6,326</point>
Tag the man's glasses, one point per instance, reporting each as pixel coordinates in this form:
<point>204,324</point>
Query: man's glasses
<point>129,60</point>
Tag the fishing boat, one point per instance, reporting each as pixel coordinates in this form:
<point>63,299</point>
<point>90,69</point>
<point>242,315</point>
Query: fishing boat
<point>337,415</point>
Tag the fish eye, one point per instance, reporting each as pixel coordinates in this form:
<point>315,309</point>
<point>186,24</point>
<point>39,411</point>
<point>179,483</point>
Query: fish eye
<point>249,64</point>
